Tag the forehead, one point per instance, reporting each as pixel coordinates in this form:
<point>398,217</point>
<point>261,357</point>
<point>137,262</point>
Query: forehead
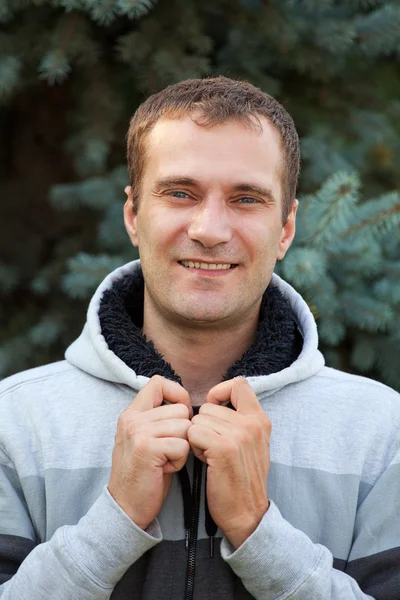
<point>232,149</point>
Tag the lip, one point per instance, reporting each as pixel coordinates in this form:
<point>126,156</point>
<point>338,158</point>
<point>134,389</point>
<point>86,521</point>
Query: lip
<point>209,262</point>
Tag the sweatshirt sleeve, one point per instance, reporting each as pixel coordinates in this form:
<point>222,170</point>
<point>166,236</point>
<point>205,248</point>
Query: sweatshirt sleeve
<point>279,561</point>
<point>80,562</point>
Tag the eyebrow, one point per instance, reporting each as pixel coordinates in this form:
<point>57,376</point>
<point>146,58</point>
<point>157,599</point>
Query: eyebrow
<point>166,182</point>
<point>248,188</point>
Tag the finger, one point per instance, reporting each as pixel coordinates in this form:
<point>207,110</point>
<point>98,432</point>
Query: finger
<point>170,450</point>
<point>171,428</point>
<point>222,413</point>
<point>155,391</point>
<point>202,438</point>
<point>162,413</point>
<point>239,392</point>
<point>219,426</point>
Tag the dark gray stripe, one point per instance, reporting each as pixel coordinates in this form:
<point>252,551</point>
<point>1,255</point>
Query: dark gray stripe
<point>13,550</point>
<point>378,574</point>
<point>160,574</point>
<point>339,564</point>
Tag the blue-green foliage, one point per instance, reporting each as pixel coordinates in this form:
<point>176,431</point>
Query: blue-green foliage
<point>334,65</point>
<point>344,263</point>
<point>86,272</point>
<point>54,67</point>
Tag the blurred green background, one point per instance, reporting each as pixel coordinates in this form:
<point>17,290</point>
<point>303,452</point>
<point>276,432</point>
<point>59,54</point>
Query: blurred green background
<point>72,72</point>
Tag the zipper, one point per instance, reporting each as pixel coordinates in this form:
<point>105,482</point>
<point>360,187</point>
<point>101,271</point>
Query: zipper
<point>191,534</point>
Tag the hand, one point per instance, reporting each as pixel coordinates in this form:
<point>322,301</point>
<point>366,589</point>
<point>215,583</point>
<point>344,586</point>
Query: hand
<point>235,446</point>
<point>150,445</point>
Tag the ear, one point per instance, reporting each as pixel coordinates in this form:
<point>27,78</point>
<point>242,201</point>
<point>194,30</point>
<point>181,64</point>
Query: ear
<point>288,231</point>
<point>130,217</point>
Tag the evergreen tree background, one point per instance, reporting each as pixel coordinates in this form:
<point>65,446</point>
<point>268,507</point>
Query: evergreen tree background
<point>72,73</point>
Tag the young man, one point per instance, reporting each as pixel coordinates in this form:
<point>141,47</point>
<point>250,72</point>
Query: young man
<point>143,466</point>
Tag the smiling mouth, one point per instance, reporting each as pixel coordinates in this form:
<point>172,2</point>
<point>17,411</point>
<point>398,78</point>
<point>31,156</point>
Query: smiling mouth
<point>207,266</point>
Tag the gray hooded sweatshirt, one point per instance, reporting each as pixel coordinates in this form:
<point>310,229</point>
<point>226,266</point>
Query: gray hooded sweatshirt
<point>333,527</point>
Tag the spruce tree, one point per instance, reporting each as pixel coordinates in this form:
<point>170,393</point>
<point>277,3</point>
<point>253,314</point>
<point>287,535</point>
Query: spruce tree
<point>72,72</point>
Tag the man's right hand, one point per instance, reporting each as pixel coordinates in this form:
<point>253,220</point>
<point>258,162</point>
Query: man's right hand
<point>150,445</point>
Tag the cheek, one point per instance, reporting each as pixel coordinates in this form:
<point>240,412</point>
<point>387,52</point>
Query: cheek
<point>263,241</point>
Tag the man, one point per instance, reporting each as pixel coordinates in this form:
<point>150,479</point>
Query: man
<point>187,358</point>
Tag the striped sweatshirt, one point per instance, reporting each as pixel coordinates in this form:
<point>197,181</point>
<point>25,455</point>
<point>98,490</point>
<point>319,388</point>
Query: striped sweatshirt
<point>332,531</point>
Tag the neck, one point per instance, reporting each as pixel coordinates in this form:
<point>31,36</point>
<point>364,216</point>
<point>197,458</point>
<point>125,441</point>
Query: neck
<point>199,355</point>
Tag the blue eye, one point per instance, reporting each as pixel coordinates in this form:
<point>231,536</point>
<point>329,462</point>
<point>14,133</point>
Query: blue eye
<point>248,200</point>
<point>179,194</point>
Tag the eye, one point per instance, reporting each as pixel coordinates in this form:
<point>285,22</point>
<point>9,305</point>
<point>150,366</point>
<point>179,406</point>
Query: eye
<point>248,200</point>
<point>179,194</point>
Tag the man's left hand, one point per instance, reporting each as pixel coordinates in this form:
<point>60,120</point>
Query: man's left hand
<point>235,446</point>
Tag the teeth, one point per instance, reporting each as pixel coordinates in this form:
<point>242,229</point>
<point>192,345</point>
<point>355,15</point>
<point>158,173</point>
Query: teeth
<point>202,265</point>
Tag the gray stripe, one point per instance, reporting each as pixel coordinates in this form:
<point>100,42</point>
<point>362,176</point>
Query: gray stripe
<point>59,498</point>
<point>13,506</point>
<point>380,510</point>
<point>321,504</point>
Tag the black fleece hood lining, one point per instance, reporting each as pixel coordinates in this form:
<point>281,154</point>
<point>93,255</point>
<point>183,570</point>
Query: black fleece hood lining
<point>277,345</point>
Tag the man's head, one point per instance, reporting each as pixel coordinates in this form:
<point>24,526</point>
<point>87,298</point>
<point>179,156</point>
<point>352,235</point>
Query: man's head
<point>211,193</point>
<point>212,102</point>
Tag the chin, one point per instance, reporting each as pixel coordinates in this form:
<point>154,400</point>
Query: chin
<point>202,317</point>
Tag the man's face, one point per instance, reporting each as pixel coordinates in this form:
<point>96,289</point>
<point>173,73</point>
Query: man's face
<point>214,196</point>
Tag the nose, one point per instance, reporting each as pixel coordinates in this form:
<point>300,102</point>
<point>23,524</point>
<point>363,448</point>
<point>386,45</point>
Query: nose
<point>210,224</point>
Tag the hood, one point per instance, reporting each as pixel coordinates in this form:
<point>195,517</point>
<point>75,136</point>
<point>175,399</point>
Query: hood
<point>92,352</point>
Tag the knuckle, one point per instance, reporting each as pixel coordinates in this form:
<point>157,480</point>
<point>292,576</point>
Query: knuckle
<point>131,430</point>
<point>243,436</point>
<point>192,432</point>
<point>122,421</point>
<point>185,446</point>
<point>240,381</point>
<point>182,410</point>
<point>266,422</point>
<point>259,426</point>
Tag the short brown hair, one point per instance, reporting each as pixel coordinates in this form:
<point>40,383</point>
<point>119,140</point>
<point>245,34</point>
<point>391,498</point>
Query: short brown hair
<point>217,100</point>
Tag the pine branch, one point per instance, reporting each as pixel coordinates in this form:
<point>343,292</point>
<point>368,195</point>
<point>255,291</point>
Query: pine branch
<point>134,9</point>
<point>55,66</point>
<point>332,208</point>
<point>377,219</point>
<point>103,12</point>
<point>379,31</point>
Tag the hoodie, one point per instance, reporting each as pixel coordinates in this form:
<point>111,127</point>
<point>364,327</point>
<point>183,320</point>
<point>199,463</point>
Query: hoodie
<point>332,530</point>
